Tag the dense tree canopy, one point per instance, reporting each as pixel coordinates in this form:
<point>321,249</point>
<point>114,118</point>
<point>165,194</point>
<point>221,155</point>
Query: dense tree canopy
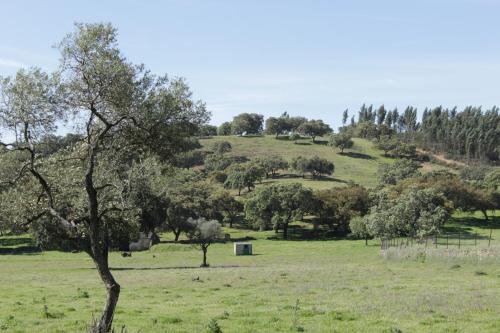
<point>277,205</point>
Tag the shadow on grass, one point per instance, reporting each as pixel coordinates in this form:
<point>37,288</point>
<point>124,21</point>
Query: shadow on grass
<point>172,267</point>
<point>18,245</point>
<point>303,143</point>
<point>321,142</point>
<point>295,176</point>
<point>464,227</point>
<point>300,233</point>
<point>357,155</point>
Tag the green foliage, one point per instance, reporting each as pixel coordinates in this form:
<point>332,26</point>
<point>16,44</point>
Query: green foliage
<point>390,174</point>
<point>314,128</point>
<point>342,141</point>
<point>190,159</point>
<point>358,227</point>
<point>247,123</point>
<point>217,162</point>
<point>225,206</point>
<point>203,233</point>
<point>207,131</point>
<point>221,147</point>
<point>315,165</point>
<point>277,205</point>
<point>213,327</point>
<point>244,175</point>
<point>271,164</point>
<point>336,207</point>
<point>186,198</point>
<point>283,124</point>
<point>415,213</point>
<point>224,128</point>
<point>386,144</point>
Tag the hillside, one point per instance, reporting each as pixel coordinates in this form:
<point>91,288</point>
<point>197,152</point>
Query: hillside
<point>358,164</point>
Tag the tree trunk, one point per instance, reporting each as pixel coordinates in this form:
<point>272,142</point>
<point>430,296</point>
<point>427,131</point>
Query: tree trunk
<point>113,292</point>
<point>485,213</point>
<point>204,249</point>
<point>239,191</point>
<point>285,230</point>
<point>177,234</point>
<point>100,257</point>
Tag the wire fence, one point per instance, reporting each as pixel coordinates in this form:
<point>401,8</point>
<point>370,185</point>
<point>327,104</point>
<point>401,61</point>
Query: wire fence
<point>446,240</point>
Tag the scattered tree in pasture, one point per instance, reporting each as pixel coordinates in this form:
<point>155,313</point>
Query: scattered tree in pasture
<point>314,128</point>
<point>342,141</point>
<point>277,205</point>
<point>224,129</point>
<point>386,144</point>
<point>315,165</point>
<point>271,164</point>
<point>123,109</point>
<point>247,123</point>
<point>203,233</point>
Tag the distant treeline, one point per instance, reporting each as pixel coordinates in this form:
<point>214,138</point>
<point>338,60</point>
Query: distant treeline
<point>471,134</point>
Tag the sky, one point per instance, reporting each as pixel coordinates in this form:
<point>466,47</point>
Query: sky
<point>309,58</point>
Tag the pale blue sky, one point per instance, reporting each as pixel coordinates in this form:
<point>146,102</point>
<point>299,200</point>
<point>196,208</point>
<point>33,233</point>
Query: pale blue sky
<point>311,58</point>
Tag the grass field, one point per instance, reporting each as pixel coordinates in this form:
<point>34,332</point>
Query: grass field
<point>359,164</point>
<point>287,286</point>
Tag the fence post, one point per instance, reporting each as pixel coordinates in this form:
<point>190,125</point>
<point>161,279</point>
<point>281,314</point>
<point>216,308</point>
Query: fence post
<point>459,236</point>
<point>489,239</point>
<point>436,241</point>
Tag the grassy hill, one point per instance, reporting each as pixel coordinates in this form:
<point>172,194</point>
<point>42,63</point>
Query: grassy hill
<point>359,164</point>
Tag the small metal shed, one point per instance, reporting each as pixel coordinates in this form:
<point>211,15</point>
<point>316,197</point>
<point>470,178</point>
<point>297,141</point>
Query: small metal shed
<point>241,249</point>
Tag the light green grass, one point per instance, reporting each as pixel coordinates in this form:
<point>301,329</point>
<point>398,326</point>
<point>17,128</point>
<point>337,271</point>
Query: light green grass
<point>359,164</point>
<point>340,285</point>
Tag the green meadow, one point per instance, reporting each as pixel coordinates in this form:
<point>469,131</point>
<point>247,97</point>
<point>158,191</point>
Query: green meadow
<point>286,286</point>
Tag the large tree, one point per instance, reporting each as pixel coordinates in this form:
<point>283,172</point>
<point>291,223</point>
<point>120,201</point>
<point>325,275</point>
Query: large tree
<point>342,141</point>
<point>121,110</point>
<point>247,123</point>
<point>278,205</point>
<point>314,128</point>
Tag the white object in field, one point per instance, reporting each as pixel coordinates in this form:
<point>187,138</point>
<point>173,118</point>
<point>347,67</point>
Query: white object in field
<point>241,249</point>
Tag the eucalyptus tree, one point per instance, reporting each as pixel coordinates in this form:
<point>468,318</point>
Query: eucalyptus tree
<point>122,111</point>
